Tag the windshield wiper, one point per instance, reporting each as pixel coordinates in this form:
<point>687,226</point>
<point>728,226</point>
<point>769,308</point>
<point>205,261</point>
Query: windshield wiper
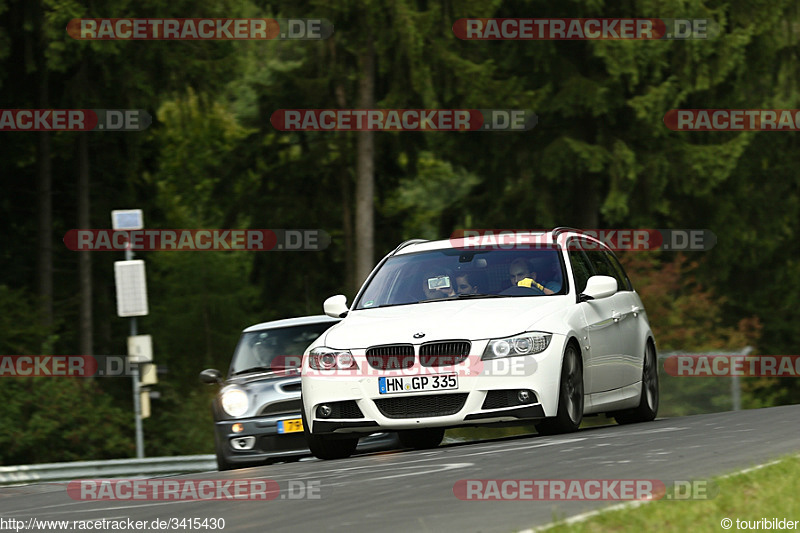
<point>253,369</point>
<point>485,296</point>
<point>384,305</point>
<point>466,296</point>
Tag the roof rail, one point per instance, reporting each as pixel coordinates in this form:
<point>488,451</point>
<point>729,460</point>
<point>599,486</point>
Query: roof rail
<point>407,243</point>
<point>562,229</point>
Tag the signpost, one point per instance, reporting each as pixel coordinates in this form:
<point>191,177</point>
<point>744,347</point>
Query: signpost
<point>132,302</point>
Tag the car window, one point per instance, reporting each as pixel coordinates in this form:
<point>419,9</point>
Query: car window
<point>259,349</point>
<point>453,273</point>
<point>625,283</point>
<point>601,264</point>
<point>581,268</point>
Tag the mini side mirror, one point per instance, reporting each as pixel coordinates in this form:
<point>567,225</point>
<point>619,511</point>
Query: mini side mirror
<point>210,376</point>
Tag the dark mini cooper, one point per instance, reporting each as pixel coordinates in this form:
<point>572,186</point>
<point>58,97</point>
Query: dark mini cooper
<point>257,413</point>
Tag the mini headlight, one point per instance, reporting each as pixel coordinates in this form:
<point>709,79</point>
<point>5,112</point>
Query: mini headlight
<point>322,358</point>
<point>234,402</point>
<point>525,344</point>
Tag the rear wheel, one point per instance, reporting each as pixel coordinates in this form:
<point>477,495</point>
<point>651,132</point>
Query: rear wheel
<point>648,403</point>
<point>327,446</point>
<point>570,397</point>
<point>421,439</point>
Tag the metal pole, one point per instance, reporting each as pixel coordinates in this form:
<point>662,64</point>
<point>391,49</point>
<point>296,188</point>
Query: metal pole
<point>137,406</point>
<point>736,390</point>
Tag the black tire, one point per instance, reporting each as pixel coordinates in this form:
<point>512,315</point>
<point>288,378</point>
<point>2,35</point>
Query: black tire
<point>570,397</point>
<point>648,403</point>
<point>222,463</point>
<point>421,439</point>
<point>327,447</point>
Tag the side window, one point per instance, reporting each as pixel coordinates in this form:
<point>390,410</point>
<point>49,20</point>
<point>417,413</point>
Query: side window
<point>581,269</point>
<point>603,266</point>
<point>625,284</point>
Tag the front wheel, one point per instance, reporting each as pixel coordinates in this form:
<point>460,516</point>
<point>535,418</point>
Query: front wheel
<point>421,439</point>
<point>570,397</point>
<point>648,403</point>
<point>222,463</point>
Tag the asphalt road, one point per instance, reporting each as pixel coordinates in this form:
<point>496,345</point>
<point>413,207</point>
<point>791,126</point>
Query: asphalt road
<point>413,490</point>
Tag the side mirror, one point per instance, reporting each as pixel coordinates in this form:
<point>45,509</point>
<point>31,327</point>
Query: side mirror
<point>336,306</point>
<point>599,287</point>
<point>210,376</point>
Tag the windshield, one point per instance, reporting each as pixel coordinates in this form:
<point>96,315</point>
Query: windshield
<point>257,350</point>
<point>453,273</point>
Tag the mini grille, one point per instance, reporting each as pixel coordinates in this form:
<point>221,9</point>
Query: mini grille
<point>277,408</point>
<point>291,387</point>
<point>391,357</point>
<point>421,406</point>
<point>443,353</point>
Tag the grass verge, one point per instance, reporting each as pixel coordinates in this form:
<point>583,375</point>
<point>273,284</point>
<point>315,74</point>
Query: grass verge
<point>771,492</point>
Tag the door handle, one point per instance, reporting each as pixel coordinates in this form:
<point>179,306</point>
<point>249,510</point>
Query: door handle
<point>616,316</point>
<point>635,310</point>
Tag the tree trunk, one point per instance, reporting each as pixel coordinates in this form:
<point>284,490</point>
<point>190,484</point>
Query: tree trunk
<point>365,170</point>
<point>84,258</point>
<point>587,203</point>
<point>44,193</point>
<point>351,285</point>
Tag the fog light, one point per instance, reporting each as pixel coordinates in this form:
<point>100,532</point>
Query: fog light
<point>324,411</point>
<point>523,396</point>
<point>237,428</point>
<point>243,443</point>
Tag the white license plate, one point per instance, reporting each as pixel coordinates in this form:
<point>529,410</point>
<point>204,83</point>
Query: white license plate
<point>417,383</point>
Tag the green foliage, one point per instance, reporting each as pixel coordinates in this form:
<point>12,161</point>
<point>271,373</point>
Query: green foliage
<point>50,419</point>
<point>600,156</point>
<point>422,198</point>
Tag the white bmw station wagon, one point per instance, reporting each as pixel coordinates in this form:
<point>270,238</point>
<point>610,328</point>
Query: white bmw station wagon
<point>543,328</point>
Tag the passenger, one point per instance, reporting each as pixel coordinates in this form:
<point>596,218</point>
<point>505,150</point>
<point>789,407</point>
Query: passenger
<point>469,283</point>
<point>438,284</point>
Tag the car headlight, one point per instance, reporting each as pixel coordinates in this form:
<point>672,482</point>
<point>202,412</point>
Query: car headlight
<point>235,402</point>
<point>525,344</point>
<point>322,358</point>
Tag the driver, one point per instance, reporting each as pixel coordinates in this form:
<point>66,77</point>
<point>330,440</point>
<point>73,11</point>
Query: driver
<point>265,351</point>
<point>522,276</point>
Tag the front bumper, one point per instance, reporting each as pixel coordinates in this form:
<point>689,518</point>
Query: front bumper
<point>358,406</point>
<point>267,442</point>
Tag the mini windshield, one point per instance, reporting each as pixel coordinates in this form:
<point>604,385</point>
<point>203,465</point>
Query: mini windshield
<point>257,350</point>
<point>453,273</point>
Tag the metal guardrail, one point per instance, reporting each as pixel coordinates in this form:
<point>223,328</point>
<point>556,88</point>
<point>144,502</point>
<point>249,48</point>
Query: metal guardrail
<point>149,466</point>
<point>736,387</point>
